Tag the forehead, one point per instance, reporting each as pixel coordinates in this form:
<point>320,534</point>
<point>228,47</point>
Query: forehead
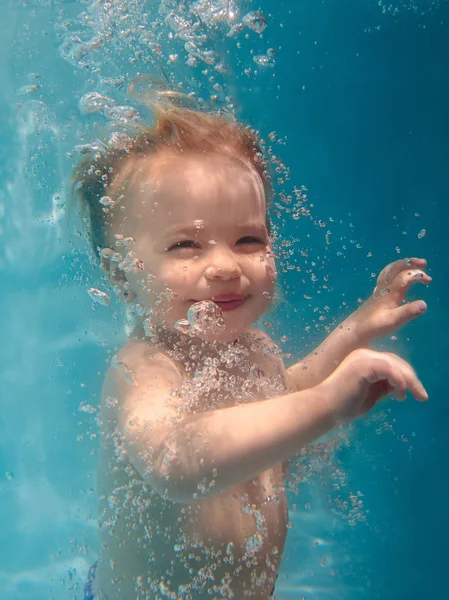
<point>210,188</point>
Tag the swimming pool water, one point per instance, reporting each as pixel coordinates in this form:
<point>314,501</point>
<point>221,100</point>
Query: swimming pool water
<point>359,94</point>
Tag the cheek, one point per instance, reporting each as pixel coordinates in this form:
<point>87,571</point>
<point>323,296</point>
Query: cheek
<point>266,268</point>
<point>141,280</point>
<point>177,275</point>
<point>271,270</point>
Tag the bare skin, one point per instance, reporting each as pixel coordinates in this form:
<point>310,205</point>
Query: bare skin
<point>229,544</point>
<point>195,435</point>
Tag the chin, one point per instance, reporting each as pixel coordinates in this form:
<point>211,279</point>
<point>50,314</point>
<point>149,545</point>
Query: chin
<point>235,323</point>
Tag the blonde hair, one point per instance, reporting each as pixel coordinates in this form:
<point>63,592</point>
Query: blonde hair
<point>179,130</point>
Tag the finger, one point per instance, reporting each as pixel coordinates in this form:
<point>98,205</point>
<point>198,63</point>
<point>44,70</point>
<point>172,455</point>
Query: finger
<point>420,263</point>
<point>413,384</point>
<point>402,282</point>
<point>416,387</point>
<point>398,383</point>
<point>388,274</point>
<point>406,278</point>
<point>398,373</point>
<point>407,312</point>
<point>387,367</point>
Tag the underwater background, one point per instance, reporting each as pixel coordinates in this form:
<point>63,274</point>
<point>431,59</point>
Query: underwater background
<point>351,98</point>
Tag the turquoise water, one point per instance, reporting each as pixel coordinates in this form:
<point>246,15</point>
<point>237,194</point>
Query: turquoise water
<point>360,89</point>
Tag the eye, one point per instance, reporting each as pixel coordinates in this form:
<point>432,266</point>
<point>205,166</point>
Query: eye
<point>250,239</point>
<point>184,244</point>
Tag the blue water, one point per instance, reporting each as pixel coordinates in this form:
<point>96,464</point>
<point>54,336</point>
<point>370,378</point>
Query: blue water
<point>361,92</point>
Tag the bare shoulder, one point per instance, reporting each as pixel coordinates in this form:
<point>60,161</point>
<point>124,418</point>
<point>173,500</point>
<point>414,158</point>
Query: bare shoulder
<point>140,368</point>
<point>141,354</point>
<point>262,342</point>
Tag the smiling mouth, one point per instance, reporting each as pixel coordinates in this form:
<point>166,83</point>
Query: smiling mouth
<point>227,305</point>
<point>228,302</point>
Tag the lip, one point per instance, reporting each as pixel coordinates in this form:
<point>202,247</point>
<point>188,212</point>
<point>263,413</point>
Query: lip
<point>227,297</point>
<point>228,302</point>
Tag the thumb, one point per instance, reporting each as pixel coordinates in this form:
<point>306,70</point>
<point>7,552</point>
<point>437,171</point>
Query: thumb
<point>408,312</point>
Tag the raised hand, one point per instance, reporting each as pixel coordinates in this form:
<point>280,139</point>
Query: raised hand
<point>364,378</point>
<point>385,312</point>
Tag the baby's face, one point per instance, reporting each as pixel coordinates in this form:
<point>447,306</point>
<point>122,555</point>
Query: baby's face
<point>200,231</point>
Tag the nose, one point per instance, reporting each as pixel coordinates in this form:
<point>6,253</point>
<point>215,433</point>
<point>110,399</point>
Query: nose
<point>222,266</point>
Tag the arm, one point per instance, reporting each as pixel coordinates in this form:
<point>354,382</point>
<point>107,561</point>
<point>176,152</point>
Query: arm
<point>185,456</point>
<point>321,363</point>
<point>211,451</point>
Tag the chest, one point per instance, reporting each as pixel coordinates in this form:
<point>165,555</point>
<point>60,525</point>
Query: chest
<point>233,378</point>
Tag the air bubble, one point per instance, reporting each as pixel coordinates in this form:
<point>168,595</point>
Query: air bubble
<point>191,61</point>
<point>92,102</point>
<point>88,408</point>
<point>253,544</point>
<point>212,12</point>
<point>99,297</point>
<point>107,201</point>
<point>207,56</point>
<point>256,21</point>
<point>76,50</point>
<point>235,30</point>
<point>127,373</point>
<point>94,147</point>
<point>148,328</point>
<point>110,402</point>
<point>28,90</point>
<point>205,316</point>
<point>264,61</point>
<point>122,114</point>
<point>125,241</point>
<point>223,70</point>
<point>181,27</point>
<point>183,326</point>
<point>120,140</point>
<point>131,263</point>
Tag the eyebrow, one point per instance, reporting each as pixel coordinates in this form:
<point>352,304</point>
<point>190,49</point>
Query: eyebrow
<point>192,229</point>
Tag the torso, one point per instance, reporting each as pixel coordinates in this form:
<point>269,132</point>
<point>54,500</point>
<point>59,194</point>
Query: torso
<point>224,546</point>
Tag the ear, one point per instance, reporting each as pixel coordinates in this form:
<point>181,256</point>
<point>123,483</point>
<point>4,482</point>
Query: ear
<point>115,275</point>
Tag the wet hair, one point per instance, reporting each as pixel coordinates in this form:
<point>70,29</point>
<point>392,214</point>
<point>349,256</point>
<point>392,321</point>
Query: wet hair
<point>178,130</point>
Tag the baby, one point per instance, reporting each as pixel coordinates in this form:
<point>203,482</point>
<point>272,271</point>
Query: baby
<point>199,416</point>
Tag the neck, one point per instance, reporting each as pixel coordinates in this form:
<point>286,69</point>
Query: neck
<point>184,347</point>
